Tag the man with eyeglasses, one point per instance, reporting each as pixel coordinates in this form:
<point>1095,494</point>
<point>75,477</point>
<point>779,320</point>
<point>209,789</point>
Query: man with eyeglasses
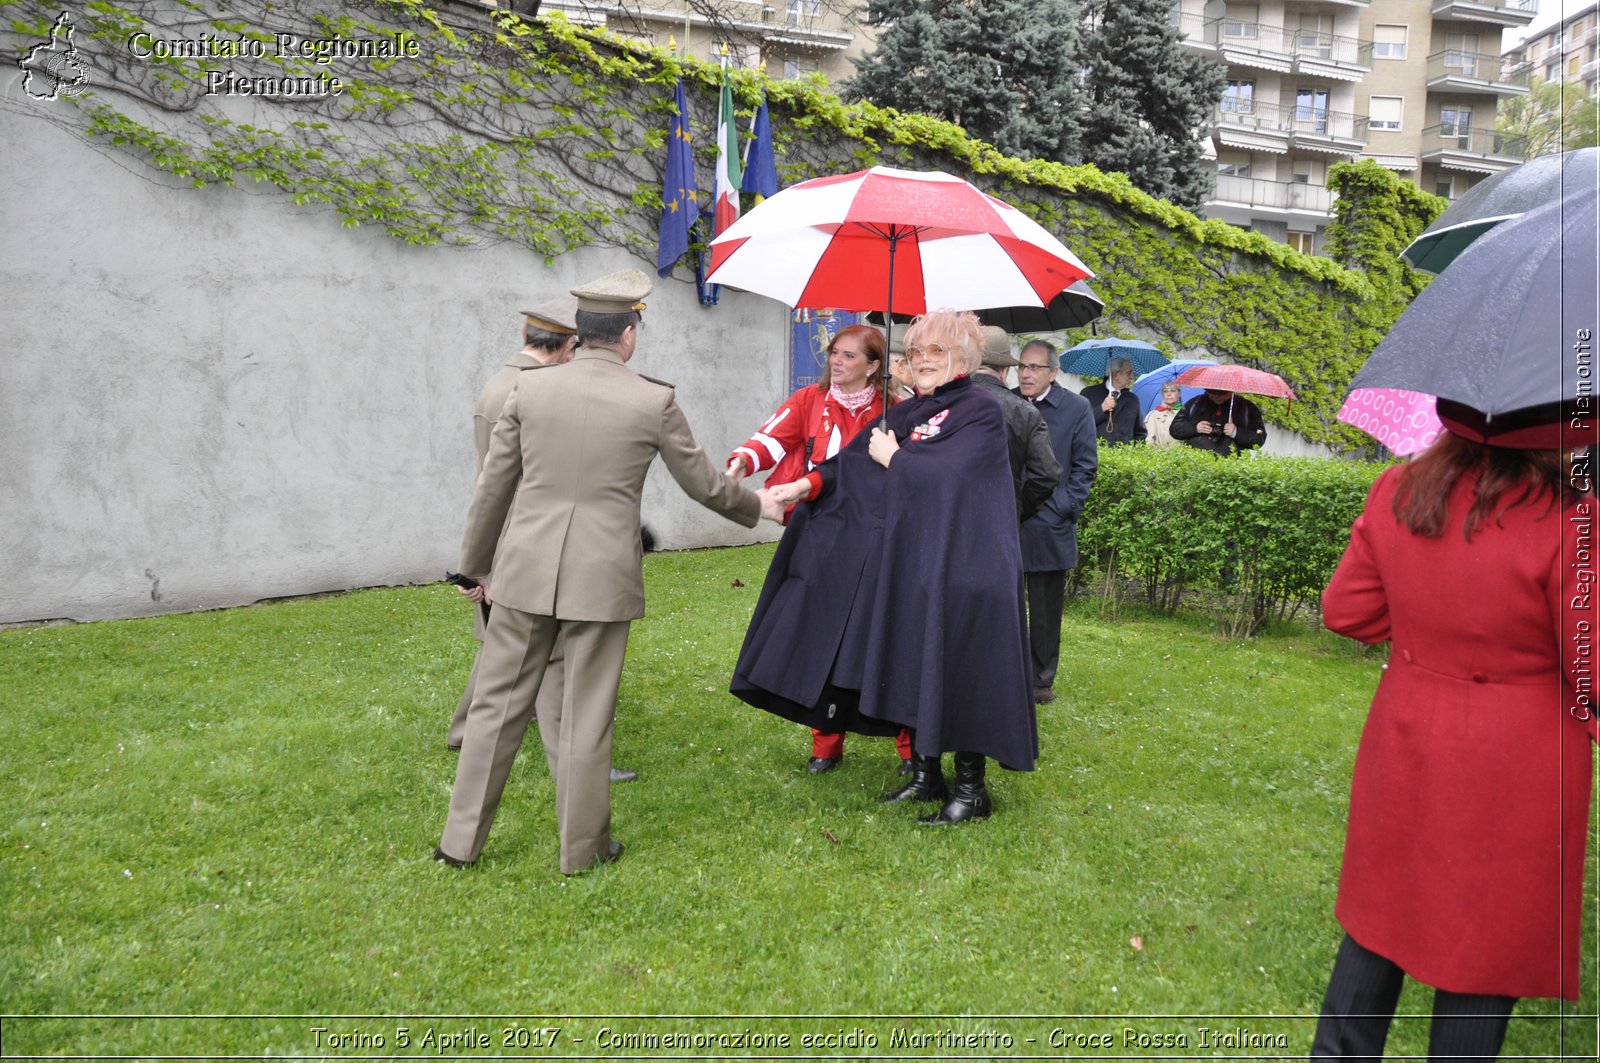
<point>1034,469</point>
<point>1050,538</point>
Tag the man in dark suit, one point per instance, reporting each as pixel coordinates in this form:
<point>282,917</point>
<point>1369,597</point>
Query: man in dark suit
<point>1034,469</point>
<point>1050,539</point>
<point>563,477</point>
<point>1117,416</point>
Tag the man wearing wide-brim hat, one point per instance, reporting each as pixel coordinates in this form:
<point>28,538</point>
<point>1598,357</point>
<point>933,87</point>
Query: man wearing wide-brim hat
<point>563,476</point>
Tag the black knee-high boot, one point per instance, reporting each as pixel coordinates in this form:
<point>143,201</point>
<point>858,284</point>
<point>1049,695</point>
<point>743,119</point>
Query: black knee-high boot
<point>969,799</point>
<point>927,782</point>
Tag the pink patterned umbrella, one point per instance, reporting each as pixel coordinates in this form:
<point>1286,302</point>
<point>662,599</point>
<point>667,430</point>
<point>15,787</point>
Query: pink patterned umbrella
<point>1404,421</point>
<point>1236,378</point>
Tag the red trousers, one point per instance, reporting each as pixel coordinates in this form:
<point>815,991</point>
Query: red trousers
<point>832,745</point>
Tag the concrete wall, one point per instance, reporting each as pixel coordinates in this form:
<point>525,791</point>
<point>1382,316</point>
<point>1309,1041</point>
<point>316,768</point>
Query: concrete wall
<point>210,396</point>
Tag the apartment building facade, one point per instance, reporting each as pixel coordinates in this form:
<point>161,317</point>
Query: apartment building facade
<point>1566,52</point>
<point>792,37</point>
<point>1412,84</point>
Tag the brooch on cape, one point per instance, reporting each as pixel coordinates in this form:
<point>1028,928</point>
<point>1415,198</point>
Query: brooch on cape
<point>929,428</point>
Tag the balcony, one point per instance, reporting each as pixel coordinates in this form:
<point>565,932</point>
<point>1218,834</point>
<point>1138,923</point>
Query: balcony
<point>1280,128</point>
<point>1282,51</point>
<point>1280,200</point>
<point>1480,151</point>
<point>1507,14</point>
<point>1478,73</point>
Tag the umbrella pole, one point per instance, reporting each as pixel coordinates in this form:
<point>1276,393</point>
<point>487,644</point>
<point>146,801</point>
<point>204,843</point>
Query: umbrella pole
<point>888,315</point>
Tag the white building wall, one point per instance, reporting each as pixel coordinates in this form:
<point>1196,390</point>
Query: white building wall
<point>211,396</point>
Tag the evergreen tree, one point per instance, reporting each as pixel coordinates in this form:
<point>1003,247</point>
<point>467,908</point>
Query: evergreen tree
<point>1149,101</point>
<point>1003,70</point>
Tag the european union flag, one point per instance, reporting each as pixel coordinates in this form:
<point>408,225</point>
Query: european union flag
<point>760,168</point>
<point>679,196</point>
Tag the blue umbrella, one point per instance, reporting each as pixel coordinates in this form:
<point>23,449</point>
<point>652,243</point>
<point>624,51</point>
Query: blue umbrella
<point>1148,387</point>
<point>1089,357</point>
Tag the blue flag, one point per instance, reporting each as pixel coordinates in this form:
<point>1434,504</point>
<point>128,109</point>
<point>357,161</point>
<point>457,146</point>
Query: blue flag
<point>760,168</point>
<point>679,195</point>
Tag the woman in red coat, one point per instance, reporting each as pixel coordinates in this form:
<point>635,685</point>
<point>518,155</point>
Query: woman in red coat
<point>1463,862</point>
<point>808,429</point>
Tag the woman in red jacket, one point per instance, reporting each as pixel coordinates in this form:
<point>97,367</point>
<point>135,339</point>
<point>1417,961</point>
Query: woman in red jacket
<point>808,429</point>
<point>1463,862</point>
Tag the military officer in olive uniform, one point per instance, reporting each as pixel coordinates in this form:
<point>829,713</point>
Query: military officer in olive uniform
<point>563,477</point>
<point>549,337</point>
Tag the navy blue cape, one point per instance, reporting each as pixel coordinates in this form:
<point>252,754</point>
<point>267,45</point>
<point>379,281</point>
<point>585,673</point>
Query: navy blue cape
<point>896,598</point>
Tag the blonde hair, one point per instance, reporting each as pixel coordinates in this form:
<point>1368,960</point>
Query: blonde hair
<point>957,329</point>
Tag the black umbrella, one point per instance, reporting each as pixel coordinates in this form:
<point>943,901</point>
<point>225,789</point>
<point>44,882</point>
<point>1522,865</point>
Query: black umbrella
<point>1074,307</point>
<point>1508,194</point>
<point>1509,326</point>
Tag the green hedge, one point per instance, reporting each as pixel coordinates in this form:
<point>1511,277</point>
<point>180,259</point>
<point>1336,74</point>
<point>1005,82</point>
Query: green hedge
<point>1251,538</point>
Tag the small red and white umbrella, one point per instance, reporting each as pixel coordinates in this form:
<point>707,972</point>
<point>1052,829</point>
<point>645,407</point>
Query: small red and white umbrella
<point>1404,421</point>
<point>1236,378</point>
<point>902,240</point>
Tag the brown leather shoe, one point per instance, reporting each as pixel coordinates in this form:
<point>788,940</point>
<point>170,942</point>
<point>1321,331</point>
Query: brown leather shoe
<point>1043,695</point>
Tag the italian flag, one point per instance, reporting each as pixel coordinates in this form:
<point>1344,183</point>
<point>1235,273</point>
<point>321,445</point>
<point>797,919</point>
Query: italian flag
<point>729,174</point>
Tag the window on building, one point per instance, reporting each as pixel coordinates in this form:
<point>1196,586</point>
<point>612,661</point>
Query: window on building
<point>1242,22</point>
<point>1302,242</point>
<point>1573,66</point>
<point>1383,112</point>
<point>1455,121</point>
<point>1306,172</point>
<point>1233,169</point>
<point>1311,108</point>
<point>1315,36</point>
<point>1445,187</point>
<point>1388,42</point>
<point>803,11</point>
<point>1239,98</point>
<point>792,69</point>
<point>1461,53</point>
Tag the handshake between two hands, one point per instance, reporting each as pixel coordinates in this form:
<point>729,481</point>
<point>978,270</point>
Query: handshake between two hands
<point>775,498</point>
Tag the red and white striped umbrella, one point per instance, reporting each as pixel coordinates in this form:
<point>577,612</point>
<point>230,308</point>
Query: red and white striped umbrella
<point>920,240</point>
<point>1236,378</point>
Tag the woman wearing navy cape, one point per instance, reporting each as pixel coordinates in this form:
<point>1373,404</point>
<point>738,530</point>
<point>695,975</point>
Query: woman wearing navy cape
<point>895,598</point>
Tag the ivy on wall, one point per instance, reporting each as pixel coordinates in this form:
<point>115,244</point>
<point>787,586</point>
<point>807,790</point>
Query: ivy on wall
<point>484,128</point>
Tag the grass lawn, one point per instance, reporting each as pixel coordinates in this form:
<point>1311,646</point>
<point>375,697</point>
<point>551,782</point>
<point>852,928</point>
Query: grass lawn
<point>217,828</point>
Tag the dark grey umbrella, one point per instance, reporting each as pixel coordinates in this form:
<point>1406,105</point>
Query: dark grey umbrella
<point>1510,325</point>
<point>1508,194</point>
<point>1075,307</point>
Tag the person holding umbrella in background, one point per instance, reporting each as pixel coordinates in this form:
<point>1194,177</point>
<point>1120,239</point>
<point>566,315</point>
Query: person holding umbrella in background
<point>1117,417</point>
<point>1219,421</point>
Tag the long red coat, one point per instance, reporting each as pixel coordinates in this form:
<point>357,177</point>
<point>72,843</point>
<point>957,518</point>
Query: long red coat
<point>1469,807</point>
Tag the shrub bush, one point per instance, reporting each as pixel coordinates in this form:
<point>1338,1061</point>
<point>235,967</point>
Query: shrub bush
<point>1254,537</point>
